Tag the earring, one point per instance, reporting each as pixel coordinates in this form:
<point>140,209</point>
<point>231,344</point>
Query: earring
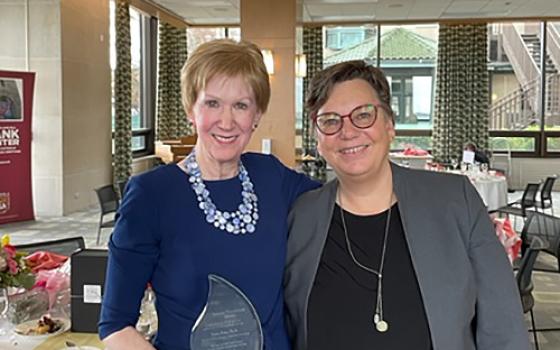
<point>255,126</point>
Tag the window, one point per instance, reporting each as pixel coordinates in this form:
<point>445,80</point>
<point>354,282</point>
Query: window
<point>525,104</point>
<point>552,90</point>
<point>339,38</point>
<point>137,122</point>
<point>143,32</point>
<point>199,35</point>
<point>525,99</point>
<point>408,59</point>
<point>345,38</point>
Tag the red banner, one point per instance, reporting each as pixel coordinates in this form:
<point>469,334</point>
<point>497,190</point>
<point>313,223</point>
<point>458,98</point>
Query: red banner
<point>16,102</point>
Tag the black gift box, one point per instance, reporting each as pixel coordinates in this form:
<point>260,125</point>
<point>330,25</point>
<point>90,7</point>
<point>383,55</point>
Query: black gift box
<point>86,288</point>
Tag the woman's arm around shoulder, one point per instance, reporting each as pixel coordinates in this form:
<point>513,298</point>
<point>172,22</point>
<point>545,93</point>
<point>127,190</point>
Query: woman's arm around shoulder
<point>499,316</point>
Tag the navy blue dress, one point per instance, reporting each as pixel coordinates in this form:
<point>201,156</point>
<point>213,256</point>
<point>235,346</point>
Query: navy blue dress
<point>162,237</point>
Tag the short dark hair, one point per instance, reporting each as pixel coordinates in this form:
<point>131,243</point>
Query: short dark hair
<point>322,83</point>
<point>470,146</point>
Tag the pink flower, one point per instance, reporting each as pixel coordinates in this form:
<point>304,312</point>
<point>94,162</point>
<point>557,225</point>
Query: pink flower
<point>13,266</point>
<point>10,250</point>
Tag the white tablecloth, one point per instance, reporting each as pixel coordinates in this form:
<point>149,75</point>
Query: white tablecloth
<point>492,189</point>
<point>415,162</point>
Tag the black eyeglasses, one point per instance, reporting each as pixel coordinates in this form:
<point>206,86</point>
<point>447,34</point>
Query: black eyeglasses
<point>361,117</point>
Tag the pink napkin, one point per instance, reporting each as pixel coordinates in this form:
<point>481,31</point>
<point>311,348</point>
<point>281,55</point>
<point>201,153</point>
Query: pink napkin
<point>409,151</point>
<point>44,261</point>
<point>508,237</point>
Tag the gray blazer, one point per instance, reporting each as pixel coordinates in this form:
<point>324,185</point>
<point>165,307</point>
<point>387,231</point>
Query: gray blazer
<point>466,282</point>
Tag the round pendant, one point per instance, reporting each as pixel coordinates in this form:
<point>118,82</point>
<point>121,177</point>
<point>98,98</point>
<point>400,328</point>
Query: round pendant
<point>381,326</point>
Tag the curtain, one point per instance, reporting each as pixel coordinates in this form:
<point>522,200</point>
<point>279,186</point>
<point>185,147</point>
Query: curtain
<point>313,51</point>
<point>171,119</point>
<point>462,92</point>
<point>122,157</point>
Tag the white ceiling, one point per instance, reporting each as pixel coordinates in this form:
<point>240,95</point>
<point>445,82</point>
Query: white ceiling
<point>227,11</point>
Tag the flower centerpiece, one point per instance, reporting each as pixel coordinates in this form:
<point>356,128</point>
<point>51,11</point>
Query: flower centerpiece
<point>14,271</point>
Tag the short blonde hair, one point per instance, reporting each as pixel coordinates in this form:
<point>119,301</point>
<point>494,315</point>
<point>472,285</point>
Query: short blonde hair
<point>231,59</point>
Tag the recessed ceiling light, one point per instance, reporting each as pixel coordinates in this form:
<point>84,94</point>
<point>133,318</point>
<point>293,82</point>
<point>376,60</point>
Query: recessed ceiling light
<point>394,6</point>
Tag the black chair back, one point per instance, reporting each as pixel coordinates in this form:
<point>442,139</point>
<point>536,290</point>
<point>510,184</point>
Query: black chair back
<point>65,246</point>
<point>546,191</point>
<point>544,227</point>
<point>524,279</point>
<point>529,196</point>
<point>108,199</point>
<point>525,272</point>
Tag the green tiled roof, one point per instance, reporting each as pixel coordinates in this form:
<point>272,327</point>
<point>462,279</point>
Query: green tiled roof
<point>396,44</point>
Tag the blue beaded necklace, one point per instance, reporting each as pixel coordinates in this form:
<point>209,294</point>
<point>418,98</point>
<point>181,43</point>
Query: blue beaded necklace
<point>243,220</point>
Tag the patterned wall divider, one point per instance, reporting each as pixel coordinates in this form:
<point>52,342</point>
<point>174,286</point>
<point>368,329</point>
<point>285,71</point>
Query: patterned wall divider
<point>171,118</point>
<point>313,51</point>
<point>122,156</point>
<point>462,92</point>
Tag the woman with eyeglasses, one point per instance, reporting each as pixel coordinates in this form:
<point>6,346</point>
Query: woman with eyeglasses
<point>385,257</point>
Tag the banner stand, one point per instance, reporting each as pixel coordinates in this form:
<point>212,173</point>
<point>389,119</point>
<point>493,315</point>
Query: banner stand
<point>16,103</point>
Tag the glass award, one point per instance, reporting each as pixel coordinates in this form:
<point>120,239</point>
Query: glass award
<point>228,321</point>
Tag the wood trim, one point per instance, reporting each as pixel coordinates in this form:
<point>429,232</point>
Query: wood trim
<point>412,132</point>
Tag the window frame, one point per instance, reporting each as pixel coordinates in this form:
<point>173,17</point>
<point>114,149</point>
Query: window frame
<point>540,136</point>
<point>148,85</point>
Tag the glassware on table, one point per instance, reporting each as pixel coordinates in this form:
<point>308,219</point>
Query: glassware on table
<point>484,167</point>
<point>454,163</point>
<point>464,167</point>
<point>147,324</point>
<point>5,324</point>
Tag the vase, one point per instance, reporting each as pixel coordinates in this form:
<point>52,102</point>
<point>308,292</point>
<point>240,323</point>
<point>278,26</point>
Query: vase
<point>5,324</point>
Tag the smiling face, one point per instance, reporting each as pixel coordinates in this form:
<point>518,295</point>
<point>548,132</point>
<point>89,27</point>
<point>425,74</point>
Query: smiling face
<point>353,152</point>
<point>224,114</point>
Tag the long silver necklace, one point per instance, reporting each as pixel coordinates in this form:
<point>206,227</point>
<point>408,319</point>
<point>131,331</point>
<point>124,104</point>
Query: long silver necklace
<point>380,324</point>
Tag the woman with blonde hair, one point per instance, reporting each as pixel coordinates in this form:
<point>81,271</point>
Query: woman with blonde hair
<point>220,211</point>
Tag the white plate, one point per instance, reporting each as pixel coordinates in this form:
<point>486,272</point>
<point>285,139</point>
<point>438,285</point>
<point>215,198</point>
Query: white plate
<point>21,329</point>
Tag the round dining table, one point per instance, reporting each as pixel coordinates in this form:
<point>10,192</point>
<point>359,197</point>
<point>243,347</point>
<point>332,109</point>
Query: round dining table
<point>492,190</point>
<point>491,187</point>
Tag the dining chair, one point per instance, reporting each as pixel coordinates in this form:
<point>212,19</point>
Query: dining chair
<point>64,246</point>
<point>519,207</point>
<point>546,194</point>
<point>524,280</point>
<point>109,204</point>
<point>546,228</point>
<point>121,185</point>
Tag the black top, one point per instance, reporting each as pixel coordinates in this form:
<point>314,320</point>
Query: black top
<point>342,300</point>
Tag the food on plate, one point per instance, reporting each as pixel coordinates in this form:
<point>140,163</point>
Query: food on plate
<point>44,325</point>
